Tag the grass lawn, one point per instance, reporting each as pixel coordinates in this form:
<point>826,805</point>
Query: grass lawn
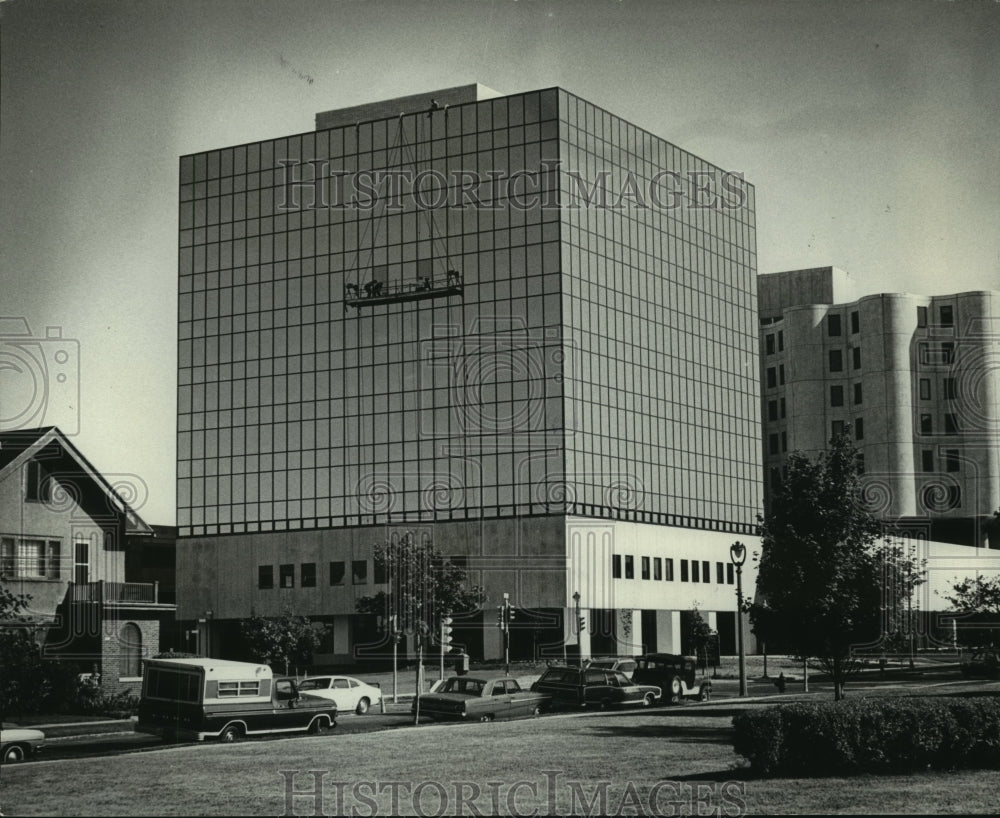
<point>680,758</point>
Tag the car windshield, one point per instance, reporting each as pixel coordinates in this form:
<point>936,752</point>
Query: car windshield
<point>471,687</point>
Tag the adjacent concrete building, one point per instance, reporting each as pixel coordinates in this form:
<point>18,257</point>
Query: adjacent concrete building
<point>518,325</point>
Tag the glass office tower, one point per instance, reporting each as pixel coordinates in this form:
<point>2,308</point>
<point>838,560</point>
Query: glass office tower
<point>501,320</point>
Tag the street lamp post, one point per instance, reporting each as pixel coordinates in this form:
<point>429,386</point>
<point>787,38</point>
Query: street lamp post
<point>577,620</point>
<point>738,556</point>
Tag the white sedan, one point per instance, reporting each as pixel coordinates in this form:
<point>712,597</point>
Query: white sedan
<point>347,692</point>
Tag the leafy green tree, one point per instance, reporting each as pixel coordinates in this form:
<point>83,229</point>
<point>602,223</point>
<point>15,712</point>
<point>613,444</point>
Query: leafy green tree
<point>828,580</point>
<point>11,604</point>
<point>697,634</point>
<point>286,641</point>
<point>421,586</point>
<point>978,599</point>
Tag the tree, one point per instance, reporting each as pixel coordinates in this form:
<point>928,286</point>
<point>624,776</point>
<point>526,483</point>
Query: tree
<point>11,604</point>
<point>828,580</point>
<point>697,634</point>
<point>978,599</point>
<point>423,585</point>
<point>286,641</point>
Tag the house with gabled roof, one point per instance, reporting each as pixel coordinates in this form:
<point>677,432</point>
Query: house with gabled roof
<point>65,529</point>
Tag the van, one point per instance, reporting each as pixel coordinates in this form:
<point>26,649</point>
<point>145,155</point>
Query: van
<point>195,699</point>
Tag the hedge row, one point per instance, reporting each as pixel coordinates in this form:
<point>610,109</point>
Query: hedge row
<point>871,736</point>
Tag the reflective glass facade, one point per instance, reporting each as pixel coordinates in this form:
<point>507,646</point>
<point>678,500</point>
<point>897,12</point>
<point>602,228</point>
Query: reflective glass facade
<point>599,359</point>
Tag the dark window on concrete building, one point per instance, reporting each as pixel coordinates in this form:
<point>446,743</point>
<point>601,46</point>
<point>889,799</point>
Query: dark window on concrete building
<point>359,572</point>
<point>381,575</point>
<point>781,403</point>
<point>837,428</point>
<point>657,568</point>
<point>836,395</point>
<point>616,566</point>
<point>337,572</point>
<point>927,459</point>
<point>859,428</point>
<point>926,424</point>
<point>951,424</point>
<point>925,389</point>
<point>629,566</point>
<point>946,316</point>
<point>948,352</point>
<point>308,570</point>
<point>772,410</point>
<point>857,394</point>
<point>668,565</point>
<point>684,570</point>
<point>781,374</point>
<point>949,389</point>
<point>856,357</point>
<point>730,574</point>
<point>695,571</point>
<point>265,576</point>
<point>772,444</point>
<point>836,360</point>
<point>833,325</point>
<point>861,462</point>
<point>855,322</point>
<point>951,462</point>
<point>781,340</point>
<point>286,575</point>
<point>784,441</point>
<point>706,574</point>
<point>645,567</point>
<point>772,377</point>
<point>921,316</point>
<point>769,344</point>
<point>720,574</point>
<point>775,479</point>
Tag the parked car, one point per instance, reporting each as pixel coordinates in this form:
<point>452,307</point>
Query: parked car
<point>481,699</point>
<point>674,673</point>
<point>349,693</point>
<point>981,662</point>
<point>214,698</point>
<point>625,664</point>
<point>19,743</point>
<point>594,687</point>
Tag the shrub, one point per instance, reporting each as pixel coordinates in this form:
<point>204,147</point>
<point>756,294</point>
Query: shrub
<point>870,735</point>
<point>30,684</point>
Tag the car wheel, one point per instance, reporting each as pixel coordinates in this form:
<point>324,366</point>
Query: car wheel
<point>13,754</point>
<point>675,689</point>
<point>648,699</point>
<point>704,694</point>
<point>605,704</point>
<point>362,707</point>
<point>231,734</point>
<point>486,717</point>
<point>536,710</point>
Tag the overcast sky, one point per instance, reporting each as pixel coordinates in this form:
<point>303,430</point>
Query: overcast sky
<point>868,128</point>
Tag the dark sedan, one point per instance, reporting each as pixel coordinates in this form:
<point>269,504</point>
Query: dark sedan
<point>594,687</point>
<point>481,699</point>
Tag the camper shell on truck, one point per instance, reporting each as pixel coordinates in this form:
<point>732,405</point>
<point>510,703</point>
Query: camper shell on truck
<point>195,699</point>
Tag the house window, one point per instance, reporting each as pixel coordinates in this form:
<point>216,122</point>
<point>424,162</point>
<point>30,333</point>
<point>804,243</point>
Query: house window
<point>684,570</point>
<point>921,316</point>
<point>265,577</point>
<point>657,568</point>
<point>855,322</point>
<point>833,325</point>
<point>951,424</point>
<point>645,567</point>
<point>38,484</point>
<point>926,424</point>
<point>951,460</point>
<point>836,395</point>
<point>857,394</point>
<point>720,576</point>
<point>859,428</point>
<point>772,377</point>
<point>7,561</point>
<point>927,460</point>
<point>629,567</point>
<point>668,566</point>
<point>856,357</point>
<point>946,316</point>
<point>308,574</point>
<point>37,559</point>
<point>359,572</point>
<point>286,574</point>
<point>925,389</point>
<point>695,571</point>
<point>616,566</point>
<point>949,389</point>
<point>836,360</point>
<point>337,572</point>
<point>769,343</point>
<point>81,562</point>
<point>130,645</point>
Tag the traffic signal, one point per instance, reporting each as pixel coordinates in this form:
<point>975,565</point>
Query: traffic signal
<point>501,618</point>
<point>581,624</point>
<point>446,630</point>
<point>510,613</point>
